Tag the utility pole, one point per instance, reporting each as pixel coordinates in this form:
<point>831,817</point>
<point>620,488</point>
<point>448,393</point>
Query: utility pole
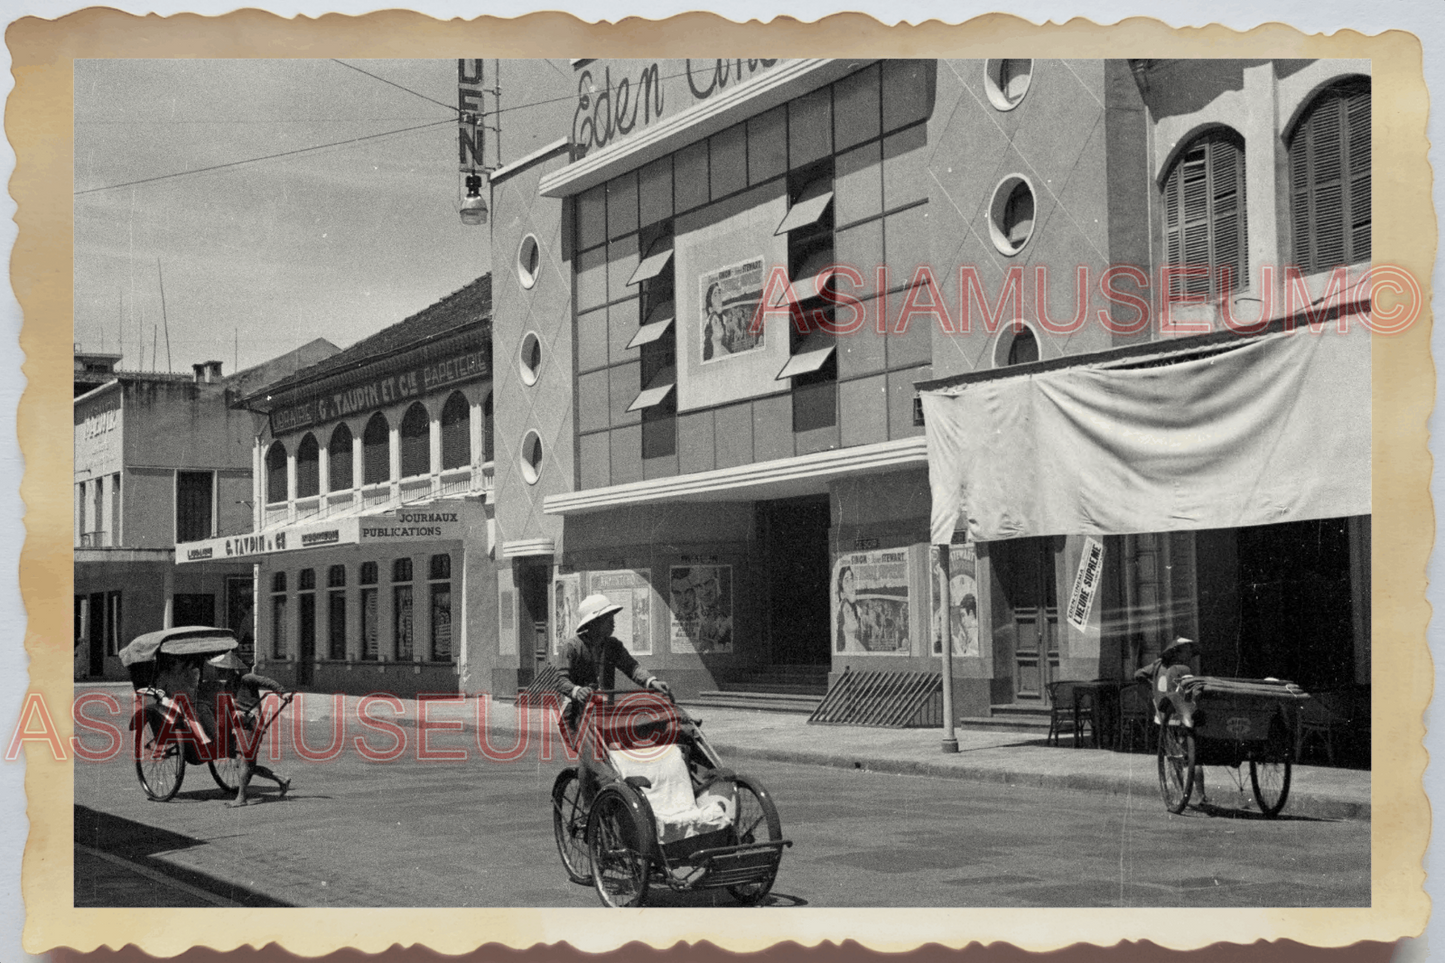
<point>164,320</point>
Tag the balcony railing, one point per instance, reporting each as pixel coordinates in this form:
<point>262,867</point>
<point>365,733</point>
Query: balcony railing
<point>452,483</point>
<point>96,539</point>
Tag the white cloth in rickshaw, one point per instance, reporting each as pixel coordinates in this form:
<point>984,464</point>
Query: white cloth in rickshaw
<point>678,813</point>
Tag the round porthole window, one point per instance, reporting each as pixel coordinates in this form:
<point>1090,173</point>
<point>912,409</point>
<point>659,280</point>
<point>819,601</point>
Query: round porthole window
<point>1011,214</point>
<point>1006,81</point>
<point>531,457</point>
<point>529,363</point>
<point>529,261</point>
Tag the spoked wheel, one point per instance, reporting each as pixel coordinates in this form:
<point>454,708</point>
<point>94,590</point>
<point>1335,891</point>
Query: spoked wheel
<point>1176,764</point>
<point>159,767</point>
<point>569,825</point>
<point>227,771</point>
<point>756,821</point>
<point>618,843</point>
<point>1269,774</point>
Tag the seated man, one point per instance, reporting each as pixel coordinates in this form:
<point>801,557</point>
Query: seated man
<point>588,661</point>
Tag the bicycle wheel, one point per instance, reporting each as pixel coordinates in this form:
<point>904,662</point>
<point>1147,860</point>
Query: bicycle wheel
<point>618,836</point>
<point>1176,764</point>
<point>160,768</point>
<point>569,825</point>
<point>1269,773</point>
<point>227,771</point>
<point>756,820</point>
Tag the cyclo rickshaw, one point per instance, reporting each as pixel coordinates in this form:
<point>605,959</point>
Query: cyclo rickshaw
<point>664,811</point>
<point>167,735</point>
<point>1215,721</point>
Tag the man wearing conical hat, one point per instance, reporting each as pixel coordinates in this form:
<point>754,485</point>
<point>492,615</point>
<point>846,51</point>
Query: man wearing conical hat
<point>234,678</point>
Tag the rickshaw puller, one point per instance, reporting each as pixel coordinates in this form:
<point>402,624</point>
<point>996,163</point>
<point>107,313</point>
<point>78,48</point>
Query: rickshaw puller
<point>1164,675</point>
<point>245,686</point>
<point>588,661</point>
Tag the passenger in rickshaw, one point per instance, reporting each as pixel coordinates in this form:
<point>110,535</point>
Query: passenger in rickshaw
<point>588,661</point>
<point>1179,660</point>
<point>230,676</point>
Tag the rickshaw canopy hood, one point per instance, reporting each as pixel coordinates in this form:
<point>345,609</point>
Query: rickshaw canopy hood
<point>180,640</point>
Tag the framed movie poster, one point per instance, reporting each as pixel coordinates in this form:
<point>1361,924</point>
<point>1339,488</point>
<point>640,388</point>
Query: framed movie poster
<point>633,625</point>
<point>565,596</point>
<point>730,298</point>
<point>870,603</point>
<point>701,603</point>
<point>962,599</point>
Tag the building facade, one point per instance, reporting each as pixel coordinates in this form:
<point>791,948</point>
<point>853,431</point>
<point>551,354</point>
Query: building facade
<point>159,459</point>
<point>371,539</point>
<point>718,289</point>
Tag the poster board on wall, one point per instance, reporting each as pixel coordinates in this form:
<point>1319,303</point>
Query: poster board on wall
<point>566,593</point>
<point>963,600</point>
<point>633,625</point>
<point>871,603</point>
<point>723,254</point>
<point>701,605</point>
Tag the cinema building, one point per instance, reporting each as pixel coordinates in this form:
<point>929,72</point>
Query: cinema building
<point>372,536</point>
<point>757,497</point>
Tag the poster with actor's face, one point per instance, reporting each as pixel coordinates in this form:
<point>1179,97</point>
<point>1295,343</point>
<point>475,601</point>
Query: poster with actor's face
<point>633,625</point>
<point>870,603</point>
<point>730,298</point>
<point>565,595</point>
<point>962,600</point>
<point>702,608</point>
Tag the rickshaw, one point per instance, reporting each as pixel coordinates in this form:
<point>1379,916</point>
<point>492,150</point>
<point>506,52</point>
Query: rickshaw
<point>166,737</point>
<point>665,811</point>
<point>1215,721</point>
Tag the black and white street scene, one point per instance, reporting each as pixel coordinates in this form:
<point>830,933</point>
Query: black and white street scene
<point>702,483</point>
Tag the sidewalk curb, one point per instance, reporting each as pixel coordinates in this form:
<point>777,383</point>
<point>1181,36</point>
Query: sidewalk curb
<point>1304,804</point>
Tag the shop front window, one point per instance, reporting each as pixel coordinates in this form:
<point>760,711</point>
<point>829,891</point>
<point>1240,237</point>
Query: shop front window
<point>441,608</point>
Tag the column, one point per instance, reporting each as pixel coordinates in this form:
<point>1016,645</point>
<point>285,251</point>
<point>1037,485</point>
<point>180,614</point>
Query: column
<point>323,474</point>
<point>291,484</point>
<point>1266,173</point>
<point>258,486</point>
<point>358,468</point>
<point>434,446</point>
<point>393,446</point>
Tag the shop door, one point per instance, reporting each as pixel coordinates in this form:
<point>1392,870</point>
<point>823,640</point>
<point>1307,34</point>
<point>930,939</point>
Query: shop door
<point>241,615</point>
<point>99,630</point>
<point>794,536</point>
<point>306,626</point>
<point>1025,568</point>
<point>534,580</point>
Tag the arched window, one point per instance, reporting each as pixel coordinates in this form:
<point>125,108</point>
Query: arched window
<point>1024,348</point>
<point>1204,216</point>
<point>276,473</point>
<point>415,441</point>
<point>338,459</point>
<point>456,432</point>
<point>376,451</point>
<point>487,450</point>
<point>1329,168</point>
<point>308,464</point>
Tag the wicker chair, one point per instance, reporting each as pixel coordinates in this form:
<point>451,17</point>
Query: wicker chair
<point>1136,716</point>
<point>1071,707</point>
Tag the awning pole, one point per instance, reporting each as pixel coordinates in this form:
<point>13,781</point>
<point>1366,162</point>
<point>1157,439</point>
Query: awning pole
<point>950,738</point>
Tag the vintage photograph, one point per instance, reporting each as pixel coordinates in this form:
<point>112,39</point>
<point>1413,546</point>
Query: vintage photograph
<point>388,523</point>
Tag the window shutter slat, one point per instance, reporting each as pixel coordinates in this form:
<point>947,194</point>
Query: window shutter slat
<point>1329,155</point>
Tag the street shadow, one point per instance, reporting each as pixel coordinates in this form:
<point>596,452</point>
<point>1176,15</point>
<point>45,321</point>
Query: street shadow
<point>1233,812</point>
<point>139,844</point>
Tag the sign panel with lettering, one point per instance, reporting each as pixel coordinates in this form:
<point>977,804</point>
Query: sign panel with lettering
<point>97,440</point>
<point>1086,583</point>
<point>378,392</point>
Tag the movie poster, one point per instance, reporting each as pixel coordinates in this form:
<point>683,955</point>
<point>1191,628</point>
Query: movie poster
<point>730,298</point>
<point>702,608</point>
<point>870,603</point>
<point>565,596</point>
<point>963,600</point>
<point>633,625</point>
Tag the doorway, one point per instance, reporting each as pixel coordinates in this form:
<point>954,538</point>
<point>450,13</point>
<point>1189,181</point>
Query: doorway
<point>99,631</point>
<point>793,534</point>
<point>534,580</point>
<point>1026,571</point>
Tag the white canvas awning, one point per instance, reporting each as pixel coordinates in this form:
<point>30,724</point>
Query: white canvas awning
<point>1265,430</point>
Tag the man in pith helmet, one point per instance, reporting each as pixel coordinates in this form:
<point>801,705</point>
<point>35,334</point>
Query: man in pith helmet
<point>590,659</point>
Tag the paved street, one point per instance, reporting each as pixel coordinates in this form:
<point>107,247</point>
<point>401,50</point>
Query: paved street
<point>478,833</point>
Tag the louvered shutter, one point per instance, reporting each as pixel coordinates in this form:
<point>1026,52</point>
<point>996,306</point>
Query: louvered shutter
<point>1329,156</point>
<point>1204,215</point>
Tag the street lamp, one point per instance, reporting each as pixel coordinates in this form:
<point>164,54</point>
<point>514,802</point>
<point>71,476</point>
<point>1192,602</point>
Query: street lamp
<point>474,205</point>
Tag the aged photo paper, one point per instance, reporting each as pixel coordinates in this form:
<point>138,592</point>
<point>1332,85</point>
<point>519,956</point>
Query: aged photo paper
<point>362,545</point>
